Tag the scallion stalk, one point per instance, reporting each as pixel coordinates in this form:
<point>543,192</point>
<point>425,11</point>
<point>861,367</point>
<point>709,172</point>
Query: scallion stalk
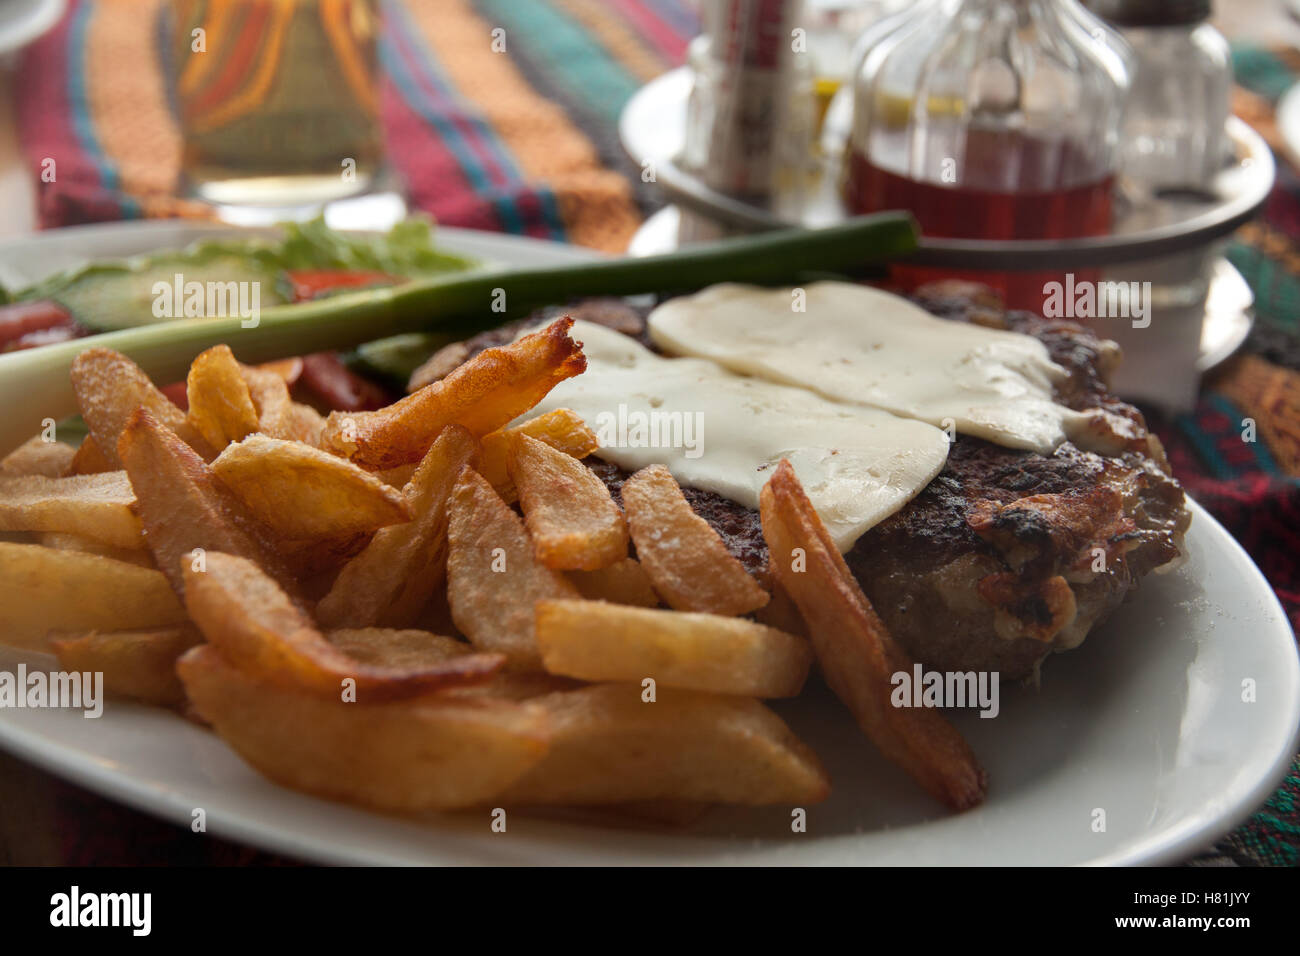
<point>34,383</point>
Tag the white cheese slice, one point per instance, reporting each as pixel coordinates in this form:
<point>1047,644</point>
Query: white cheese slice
<point>724,433</point>
<point>853,343</point>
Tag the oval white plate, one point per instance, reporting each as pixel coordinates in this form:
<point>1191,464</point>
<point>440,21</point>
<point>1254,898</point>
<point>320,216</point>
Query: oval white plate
<point>1145,722</point>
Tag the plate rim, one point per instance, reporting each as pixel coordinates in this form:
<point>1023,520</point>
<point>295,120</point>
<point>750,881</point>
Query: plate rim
<point>39,18</point>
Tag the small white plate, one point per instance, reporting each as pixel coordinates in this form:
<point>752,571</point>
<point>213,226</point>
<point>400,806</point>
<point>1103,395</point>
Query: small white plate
<point>22,21</point>
<point>1145,722</point>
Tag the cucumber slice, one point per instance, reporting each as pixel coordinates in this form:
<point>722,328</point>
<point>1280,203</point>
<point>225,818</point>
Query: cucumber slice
<point>108,297</point>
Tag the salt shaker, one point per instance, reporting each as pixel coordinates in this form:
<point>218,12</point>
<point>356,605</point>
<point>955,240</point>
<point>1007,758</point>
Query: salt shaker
<point>1174,122</point>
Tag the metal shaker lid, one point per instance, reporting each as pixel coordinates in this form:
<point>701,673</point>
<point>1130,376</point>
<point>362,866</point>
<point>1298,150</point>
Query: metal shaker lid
<point>1151,13</point>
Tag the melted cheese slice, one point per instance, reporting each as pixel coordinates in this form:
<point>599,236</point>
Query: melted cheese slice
<point>724,433</point>
<point>861,345</point>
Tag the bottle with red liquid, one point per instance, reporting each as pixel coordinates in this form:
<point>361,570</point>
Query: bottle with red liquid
<point>989,119</point>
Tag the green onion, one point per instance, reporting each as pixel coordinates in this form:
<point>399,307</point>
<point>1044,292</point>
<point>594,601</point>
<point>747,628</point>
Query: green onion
<point>34,384</point>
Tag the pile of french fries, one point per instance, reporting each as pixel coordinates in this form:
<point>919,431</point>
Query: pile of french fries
<point>436,605</point>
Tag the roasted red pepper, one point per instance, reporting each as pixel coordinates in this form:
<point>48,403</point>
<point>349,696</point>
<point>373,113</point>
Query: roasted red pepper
<point>25,325</point>
<point>309,284</point>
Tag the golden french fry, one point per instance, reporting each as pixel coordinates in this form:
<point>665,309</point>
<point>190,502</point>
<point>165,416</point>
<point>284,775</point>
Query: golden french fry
<point>303,493</point>
<point>518,685</point>
<point>392,579</point>
<point>573,521</point>
<point>858,656</point>
<point>437,752</point>
<point>243,613</point>
<point>306,424</point>
<point>289,370</point>
<point>89,460</point>
<point>185,510</point>
<point>688,564</point>
<point>405,649</point>
<point>62,541</point>
<point>221,406</point>
<point>398,477</point>
<point>93,506</point>
<point>562,428</point>
<point>140,665</point>
<point>781,612</point>
<point>36,456</point>
<point>608,746</point>
<point>278,415</point>
<point>109,388</point>
<point>623,582</point>
<point>493,577</point>
<point>43,590</point>
<point>723,655</point>
<point>490,390</point>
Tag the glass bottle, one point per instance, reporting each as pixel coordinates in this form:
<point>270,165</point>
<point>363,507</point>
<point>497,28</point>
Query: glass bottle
<point>990,119</point>
<point>1173,131</point>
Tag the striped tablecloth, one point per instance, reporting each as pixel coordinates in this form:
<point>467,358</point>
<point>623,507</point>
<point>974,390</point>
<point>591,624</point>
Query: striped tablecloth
<point>525,142</point>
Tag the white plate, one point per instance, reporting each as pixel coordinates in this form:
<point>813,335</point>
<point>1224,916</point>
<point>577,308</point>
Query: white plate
<point>22,21</point>
<point>1145,722</point>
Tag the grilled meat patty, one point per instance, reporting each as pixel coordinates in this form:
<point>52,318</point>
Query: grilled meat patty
<point>1007,555</point>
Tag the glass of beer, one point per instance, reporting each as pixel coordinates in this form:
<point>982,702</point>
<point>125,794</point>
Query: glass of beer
<point>277,99</point>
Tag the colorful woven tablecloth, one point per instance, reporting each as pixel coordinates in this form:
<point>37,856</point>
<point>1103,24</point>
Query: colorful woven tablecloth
<point>526,142</point>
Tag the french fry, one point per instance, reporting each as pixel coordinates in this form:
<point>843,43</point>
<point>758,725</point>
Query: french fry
<point>392,579</point>
<point>109,388</point>
<point>489,391</point>
<point>36,456</point>
<point>93,506</point>
<point>221,406</point>
<point>562,428</point>
<point>278,415</point>
<point>781,612</point>
<point>289,370</point>
<point>688,564</point>
<point>184,509</point>
<point>62,541</point>
<point>608,746</point>
<point>89,460</point>
<point>306,424</point>
<point>398,477</point>
<point>140,665</point>
<point>573,521</point>
<point>245,615</point>
<point>623,582</point>
<point>518,685</point>
<point>723,655</point>
<point>856,653</point>
<point>43,590</point>
<point>437,752</point>
<point>405,649</point>
<point>303,493</point>
<point>493,577</point>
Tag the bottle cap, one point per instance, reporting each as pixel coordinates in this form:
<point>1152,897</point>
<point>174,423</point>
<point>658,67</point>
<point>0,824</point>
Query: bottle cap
<point>1151,13</point>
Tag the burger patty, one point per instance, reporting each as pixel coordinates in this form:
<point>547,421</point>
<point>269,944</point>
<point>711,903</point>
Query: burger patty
<point>1007,555</point>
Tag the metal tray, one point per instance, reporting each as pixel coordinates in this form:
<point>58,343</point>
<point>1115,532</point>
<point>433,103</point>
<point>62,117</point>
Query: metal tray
<point>652,129</point>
